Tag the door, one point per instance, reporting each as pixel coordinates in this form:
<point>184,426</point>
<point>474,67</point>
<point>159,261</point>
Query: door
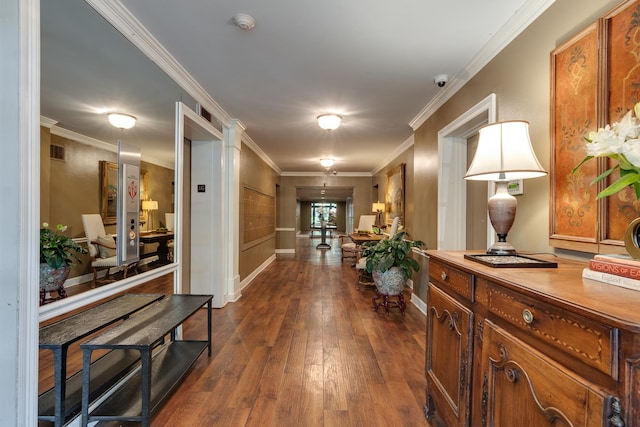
<point>476,204</point>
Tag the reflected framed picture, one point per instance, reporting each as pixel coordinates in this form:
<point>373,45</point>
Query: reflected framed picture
<point>109,191</point>
<point>395,194</point>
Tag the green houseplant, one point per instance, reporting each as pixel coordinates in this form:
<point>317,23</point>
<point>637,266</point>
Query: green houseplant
<point>57,253</point>
<point>56,249</point>
<point>389,262</point>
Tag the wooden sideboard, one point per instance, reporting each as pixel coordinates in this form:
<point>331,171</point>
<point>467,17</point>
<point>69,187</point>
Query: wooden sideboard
<point>529,346</point>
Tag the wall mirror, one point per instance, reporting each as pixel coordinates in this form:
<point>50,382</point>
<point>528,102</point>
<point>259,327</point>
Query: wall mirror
<point>89,69</point>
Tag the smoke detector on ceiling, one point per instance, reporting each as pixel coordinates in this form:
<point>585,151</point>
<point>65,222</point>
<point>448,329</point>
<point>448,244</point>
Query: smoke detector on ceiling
<point>244,21</point>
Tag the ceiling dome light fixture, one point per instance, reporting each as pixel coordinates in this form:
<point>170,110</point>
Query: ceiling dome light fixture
<point>329,121</point>
<point>122,121</point>
<point>244,21</point>
<point>326,163</point>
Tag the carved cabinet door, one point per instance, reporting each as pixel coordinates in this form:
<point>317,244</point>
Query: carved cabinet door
<point>522,387</point>
<point>449,358</point>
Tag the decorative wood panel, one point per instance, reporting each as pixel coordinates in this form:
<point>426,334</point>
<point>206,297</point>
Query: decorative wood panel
<point>259,215</point>
<point>623,69</point>
<point>595,80</point>
<point>575,69</point>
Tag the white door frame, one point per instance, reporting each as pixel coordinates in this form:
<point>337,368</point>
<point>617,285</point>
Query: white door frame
<point>208,249</point>
<point>452,165</point>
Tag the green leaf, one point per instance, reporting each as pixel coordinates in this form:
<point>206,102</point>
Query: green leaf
<point>581,163</point>
<point>622,182</point>
<point>604,175</point>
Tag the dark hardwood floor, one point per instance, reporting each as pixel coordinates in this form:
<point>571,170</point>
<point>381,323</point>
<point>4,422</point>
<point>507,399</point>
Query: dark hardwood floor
<point>302,347</point>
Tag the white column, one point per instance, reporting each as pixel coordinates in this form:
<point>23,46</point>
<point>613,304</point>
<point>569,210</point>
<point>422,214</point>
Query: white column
<point>20,212</point>
<point>232,147</point>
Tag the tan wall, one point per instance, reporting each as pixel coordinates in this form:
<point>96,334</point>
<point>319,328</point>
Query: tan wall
<point>520,77</point>
<point>71,188</point>
<point>380,179</point>
<point>289,214</point>
<point>258,175</point>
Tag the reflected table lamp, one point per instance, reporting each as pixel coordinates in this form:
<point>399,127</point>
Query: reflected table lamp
<point>149,206</point>
<point>378,208</point>
<point>504,154</point>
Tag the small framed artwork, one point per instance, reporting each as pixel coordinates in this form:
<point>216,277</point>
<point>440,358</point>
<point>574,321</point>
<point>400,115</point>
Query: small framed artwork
<point>395,194</point>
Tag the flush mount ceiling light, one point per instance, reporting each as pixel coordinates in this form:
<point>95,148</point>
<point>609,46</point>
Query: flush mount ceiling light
<point>244,21</point>
<point>122,121</point>
<point>326,163</point>
<point>329,121</point>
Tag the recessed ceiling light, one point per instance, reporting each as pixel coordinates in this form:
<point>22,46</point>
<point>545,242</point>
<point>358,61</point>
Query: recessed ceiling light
<point>122,121</point>
<point>326,163</point>
<point>244,21</point>
<point>329,121</point>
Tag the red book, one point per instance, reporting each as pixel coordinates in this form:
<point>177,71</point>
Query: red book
<point>617,268</point>
<point>618,259</point>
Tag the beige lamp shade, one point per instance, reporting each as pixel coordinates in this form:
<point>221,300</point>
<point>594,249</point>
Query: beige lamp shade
<point>150,205</point>
<point>504,153</point>
<point>377,207</point>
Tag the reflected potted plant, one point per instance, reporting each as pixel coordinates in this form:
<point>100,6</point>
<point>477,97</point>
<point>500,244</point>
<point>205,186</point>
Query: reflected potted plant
<point>57,253</point>
<point>390,263</point>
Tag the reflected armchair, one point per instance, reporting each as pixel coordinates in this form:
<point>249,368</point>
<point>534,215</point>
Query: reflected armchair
<point>102,249</point>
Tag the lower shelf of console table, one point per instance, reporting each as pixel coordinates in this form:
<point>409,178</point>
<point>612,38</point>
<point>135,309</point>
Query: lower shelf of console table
<point>162,364</point>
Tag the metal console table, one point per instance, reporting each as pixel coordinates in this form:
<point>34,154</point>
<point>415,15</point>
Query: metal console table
<point>161,364</point>
<point>63,401</point>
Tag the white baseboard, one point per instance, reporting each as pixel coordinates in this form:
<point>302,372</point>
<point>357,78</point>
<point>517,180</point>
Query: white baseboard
<point>421,305</point>
<point>247,280</point>
<point>285,251</point>
<point>78,280</point>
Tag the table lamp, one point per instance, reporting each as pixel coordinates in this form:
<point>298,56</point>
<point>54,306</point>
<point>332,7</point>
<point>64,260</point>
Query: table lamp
<point>149,206</point>
<point>378,208</point>
<point>504,153</point>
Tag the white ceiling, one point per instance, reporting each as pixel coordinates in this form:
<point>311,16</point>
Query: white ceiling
<point>372,61</point>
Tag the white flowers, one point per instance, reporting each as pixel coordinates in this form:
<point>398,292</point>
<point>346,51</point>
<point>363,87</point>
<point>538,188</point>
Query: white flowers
<point>620,142</point>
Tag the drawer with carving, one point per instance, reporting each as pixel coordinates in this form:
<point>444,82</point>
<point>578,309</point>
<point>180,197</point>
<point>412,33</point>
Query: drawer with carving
<point>591,342</point>
<point>523,387</point>
<point>452,278</point>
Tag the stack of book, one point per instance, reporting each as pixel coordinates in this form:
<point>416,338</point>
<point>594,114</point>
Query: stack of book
<point>614,269</point>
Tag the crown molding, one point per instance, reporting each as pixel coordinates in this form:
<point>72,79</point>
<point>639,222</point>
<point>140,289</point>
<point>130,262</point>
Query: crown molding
<point>246,139</point>
<point>395,153</point>
<point>339,174</point>
<point>523,17</point>
<point>127,24</point>
<point>93,142</point>
<point>47,122</point>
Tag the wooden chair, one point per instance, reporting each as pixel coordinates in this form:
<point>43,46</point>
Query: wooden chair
<point>169,219</point>
<point>102,249</point>
<point>349,249</point>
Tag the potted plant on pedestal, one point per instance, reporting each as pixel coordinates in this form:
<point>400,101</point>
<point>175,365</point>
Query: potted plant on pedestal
<point>389,262</point>
<point>57,254</point>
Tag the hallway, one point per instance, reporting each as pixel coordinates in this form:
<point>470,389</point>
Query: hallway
<point>303,347</point>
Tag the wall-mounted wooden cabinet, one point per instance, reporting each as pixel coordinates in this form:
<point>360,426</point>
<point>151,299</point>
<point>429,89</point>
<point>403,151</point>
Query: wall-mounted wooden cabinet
<point>529,346</point>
